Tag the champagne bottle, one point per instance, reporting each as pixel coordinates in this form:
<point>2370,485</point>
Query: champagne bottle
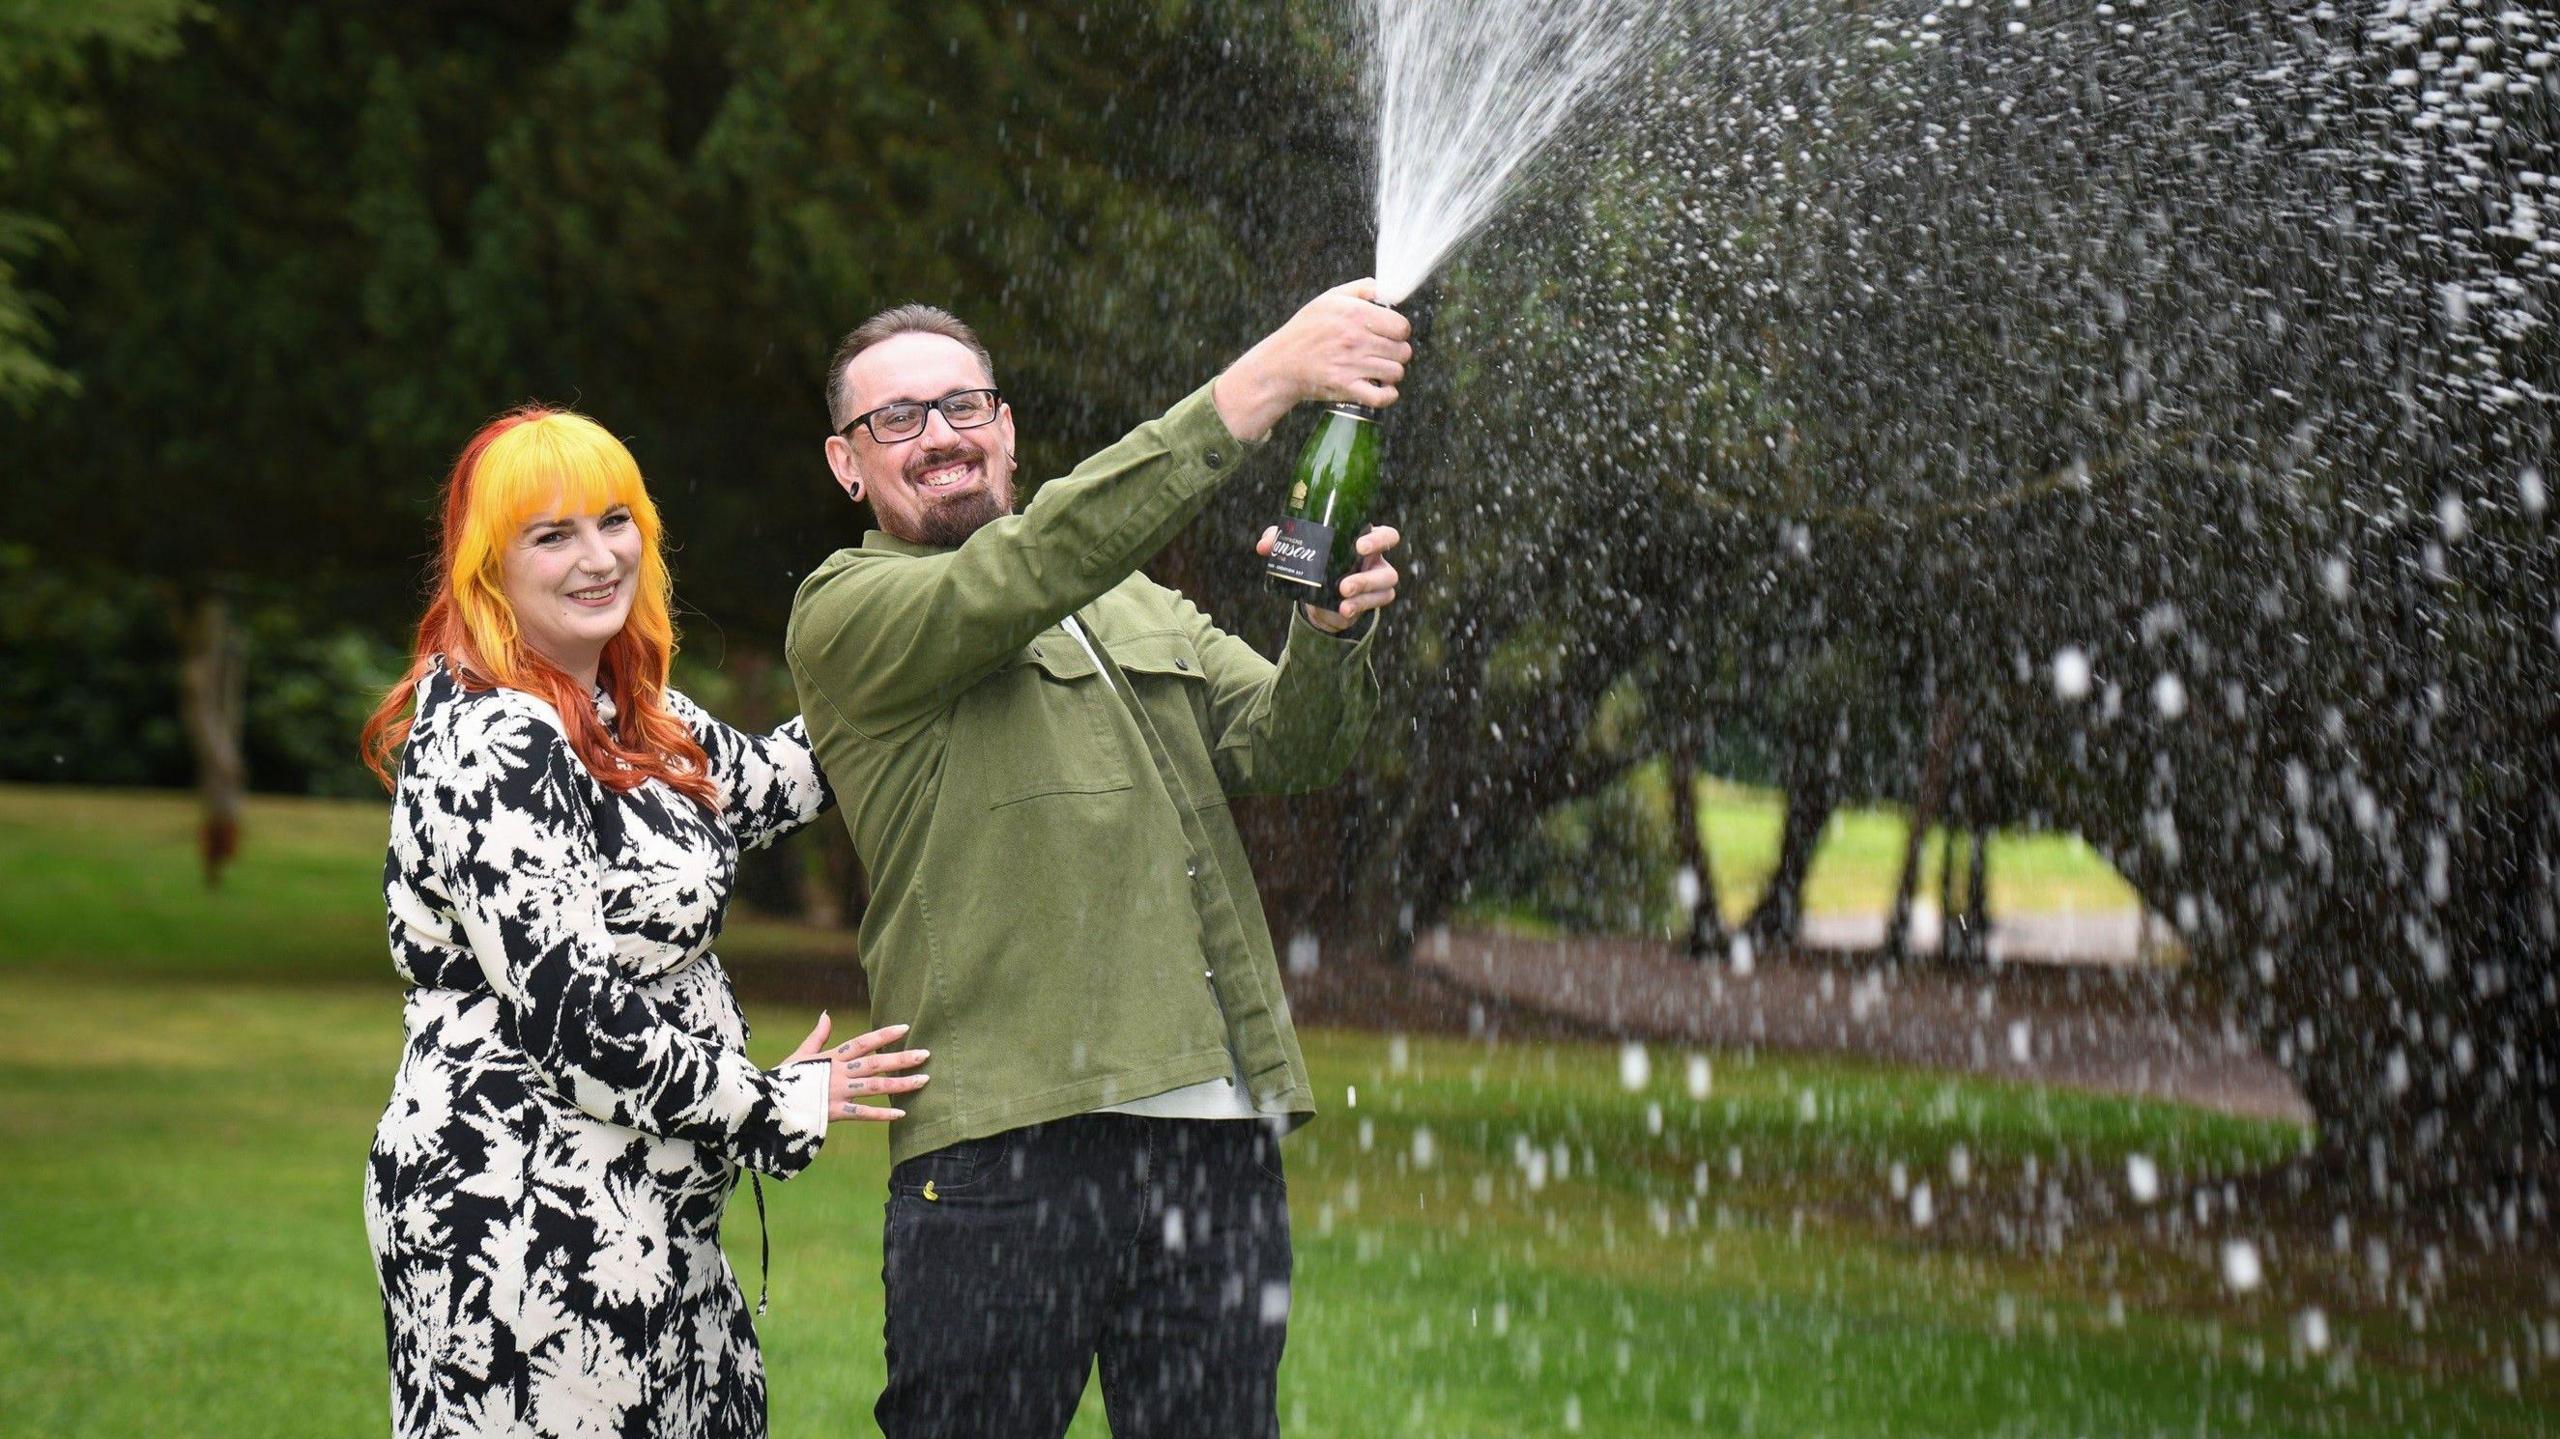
<point>1328,499</point>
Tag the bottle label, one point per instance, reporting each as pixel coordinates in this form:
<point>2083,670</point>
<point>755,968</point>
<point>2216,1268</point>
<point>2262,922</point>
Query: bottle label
<point>1303,554</point>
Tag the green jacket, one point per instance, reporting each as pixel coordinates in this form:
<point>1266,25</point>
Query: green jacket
<point>1060,904</point>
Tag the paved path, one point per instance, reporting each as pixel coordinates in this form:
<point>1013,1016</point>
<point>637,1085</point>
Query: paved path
<point>2115,1030</point>
<point>2087,937</point>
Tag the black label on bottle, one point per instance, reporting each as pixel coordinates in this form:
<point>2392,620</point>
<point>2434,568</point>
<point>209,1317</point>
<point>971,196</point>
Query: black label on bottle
<point>1303,554</point>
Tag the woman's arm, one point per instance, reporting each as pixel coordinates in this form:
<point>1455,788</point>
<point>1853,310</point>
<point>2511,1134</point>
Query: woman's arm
<point>514,846</point>
<point>770,784</point>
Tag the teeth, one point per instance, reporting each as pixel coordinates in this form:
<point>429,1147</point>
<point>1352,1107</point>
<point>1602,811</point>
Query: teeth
<point>598,593</point>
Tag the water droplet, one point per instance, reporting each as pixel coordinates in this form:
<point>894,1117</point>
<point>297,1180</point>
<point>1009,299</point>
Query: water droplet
<point>2241,1269</point>
<point>2141,1178</point>
<point>1635,1068</point>
<point>2071,673</point>
<point>2311,1331</point>
<point>2169,695</point>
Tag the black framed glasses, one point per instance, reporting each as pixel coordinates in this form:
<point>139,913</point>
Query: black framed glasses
<point>904,420</point>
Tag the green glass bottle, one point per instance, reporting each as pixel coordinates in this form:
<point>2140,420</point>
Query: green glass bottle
<point>1328,500</point>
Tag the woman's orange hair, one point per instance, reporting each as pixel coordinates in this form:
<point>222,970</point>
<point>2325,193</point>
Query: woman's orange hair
<point>524,465</point>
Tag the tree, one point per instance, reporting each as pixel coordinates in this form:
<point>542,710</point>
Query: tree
<point>304,252</point>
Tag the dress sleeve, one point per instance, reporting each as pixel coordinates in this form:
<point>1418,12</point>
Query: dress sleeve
<point>770,784</point>
<point>518,858</point>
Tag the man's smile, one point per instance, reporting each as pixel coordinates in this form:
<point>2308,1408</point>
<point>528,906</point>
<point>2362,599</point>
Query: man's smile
<point>946,477</point>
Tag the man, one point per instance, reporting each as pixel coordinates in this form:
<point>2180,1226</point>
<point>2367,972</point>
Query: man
<point>1033,745</point>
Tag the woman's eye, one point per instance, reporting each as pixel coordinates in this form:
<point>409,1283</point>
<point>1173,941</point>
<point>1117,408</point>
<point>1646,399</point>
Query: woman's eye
<point>616,520</point>
<point>550,537</point>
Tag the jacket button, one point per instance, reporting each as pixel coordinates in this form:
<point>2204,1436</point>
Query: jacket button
<point>1035,652</point>
<point>1215,458</point>
<point>1182,664</point>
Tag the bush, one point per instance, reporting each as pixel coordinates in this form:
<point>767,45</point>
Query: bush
<point>91,687</point>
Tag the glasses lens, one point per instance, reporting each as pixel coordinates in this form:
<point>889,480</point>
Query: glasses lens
<point>896,422</point>
<point>969,407</point>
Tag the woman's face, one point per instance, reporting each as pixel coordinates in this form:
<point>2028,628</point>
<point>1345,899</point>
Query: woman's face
<point>569,578</point>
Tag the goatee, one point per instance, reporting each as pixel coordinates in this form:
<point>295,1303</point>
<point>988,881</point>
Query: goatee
<point>954,520</point>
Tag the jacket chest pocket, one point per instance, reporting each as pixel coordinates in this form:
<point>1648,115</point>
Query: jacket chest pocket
<point>1039,726</point>
<point>1165,670</point>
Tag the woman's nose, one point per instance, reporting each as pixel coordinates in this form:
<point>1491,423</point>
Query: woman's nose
<point>593,553</point>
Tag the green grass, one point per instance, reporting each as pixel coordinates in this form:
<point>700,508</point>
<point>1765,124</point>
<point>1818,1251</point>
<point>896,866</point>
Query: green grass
<point>110,880</point>
<point>1854,872</point>
<point>1857,863</point>
<point>1860,858</point>
<point>183,1253</point>
<point>181,1248</point>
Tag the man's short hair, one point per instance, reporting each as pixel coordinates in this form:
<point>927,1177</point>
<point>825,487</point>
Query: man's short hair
<point>888,324</point>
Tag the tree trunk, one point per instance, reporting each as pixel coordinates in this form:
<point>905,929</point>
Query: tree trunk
<point>1977,904</point>
<point>1706,921</point>
<point>212,682</point>
<point>1950,938</point>
<point>1778,919</point>
<point>1944,731</point>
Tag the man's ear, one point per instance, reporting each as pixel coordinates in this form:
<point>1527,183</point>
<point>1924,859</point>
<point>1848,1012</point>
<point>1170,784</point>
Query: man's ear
<point>840,464</point>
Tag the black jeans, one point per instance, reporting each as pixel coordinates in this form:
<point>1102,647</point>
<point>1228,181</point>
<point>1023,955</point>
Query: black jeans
<point>1159,1246</point>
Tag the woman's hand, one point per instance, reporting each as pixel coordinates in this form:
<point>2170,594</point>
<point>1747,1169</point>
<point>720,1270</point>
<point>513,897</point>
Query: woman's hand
<point>855,1069</point>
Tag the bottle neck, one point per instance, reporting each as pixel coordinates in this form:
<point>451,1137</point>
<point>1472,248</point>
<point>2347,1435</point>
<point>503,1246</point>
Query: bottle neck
<point>1349,411</point>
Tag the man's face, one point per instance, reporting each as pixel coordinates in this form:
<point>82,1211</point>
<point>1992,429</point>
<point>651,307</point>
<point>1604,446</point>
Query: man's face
<point>938,486</point>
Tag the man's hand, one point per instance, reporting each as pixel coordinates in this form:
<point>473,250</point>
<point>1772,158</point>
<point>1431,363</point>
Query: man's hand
<point>1342,345</point>
<point>1370,587</point>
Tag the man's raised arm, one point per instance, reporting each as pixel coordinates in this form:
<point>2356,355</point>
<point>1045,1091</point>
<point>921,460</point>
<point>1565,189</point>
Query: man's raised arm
<point>889,641</point>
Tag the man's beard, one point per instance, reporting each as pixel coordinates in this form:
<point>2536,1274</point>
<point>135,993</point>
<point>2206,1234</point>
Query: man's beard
<point>945,523</point>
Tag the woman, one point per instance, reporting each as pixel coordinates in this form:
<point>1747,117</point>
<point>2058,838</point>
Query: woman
<point>575,1101</point>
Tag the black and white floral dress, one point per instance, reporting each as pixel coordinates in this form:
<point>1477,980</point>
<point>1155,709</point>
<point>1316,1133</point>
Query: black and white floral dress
<point>575,1100</point>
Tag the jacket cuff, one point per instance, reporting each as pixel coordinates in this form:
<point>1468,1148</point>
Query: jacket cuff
<point>1193,431</point>
<point>1330,648</point>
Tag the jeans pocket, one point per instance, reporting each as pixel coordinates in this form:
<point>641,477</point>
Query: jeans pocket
<point>952,1169</point>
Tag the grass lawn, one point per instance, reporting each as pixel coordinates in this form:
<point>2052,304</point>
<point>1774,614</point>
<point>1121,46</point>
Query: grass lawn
<point>1860,859</point>
<point>1524,1239</point>
<point>183,1254</point>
